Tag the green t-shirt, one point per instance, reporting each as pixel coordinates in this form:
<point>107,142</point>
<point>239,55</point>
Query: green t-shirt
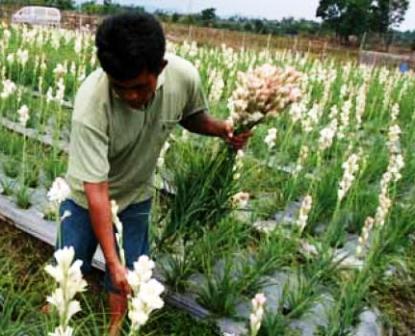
<point>112,142</point>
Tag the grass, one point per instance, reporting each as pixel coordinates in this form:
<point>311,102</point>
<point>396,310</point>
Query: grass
<point>24,286</point>
<point>394,295</point>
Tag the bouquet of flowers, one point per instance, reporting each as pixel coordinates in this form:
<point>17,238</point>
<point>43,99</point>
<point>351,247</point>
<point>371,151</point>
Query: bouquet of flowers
<point>263,93</point>
<point>205,188</point>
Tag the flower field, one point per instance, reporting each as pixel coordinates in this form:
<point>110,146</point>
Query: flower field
<point>318,210</point>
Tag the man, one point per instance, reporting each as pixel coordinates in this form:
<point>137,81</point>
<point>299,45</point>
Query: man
<point>123,114</point>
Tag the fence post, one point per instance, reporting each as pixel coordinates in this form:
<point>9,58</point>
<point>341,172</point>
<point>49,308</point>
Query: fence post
<point>363,42</point>
<point>189,34</point>
<point>269,42</point>
<point>324,49</point>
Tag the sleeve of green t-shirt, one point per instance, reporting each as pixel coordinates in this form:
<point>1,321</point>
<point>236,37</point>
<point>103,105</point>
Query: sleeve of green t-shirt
<point>88,153</point>
<point>196,99</point>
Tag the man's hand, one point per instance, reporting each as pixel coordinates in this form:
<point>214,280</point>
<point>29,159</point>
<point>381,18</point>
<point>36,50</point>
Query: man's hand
<point>236,141</point>
<point>100,213</point>
<point>118,274</point>
<point>203,123</point>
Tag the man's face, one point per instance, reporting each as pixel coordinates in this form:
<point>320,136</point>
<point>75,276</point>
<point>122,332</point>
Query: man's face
<point>136,92</point>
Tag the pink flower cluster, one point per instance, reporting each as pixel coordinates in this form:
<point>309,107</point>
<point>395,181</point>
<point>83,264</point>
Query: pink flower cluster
<point>263,92</point>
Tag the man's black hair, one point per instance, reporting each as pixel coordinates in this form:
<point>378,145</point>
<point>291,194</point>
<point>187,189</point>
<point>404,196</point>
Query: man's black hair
<point>130,43</point>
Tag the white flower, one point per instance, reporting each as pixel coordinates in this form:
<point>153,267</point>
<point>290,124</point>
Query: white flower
<point>69,278</point>
<point>360,104</point>
<point>295,94</point>
<point>327,135</point>
<point>146,292</point>
<point>396,164</point>
<point>137,313</point>
<point>271,137</point>
<point>305,208</point>
<point>10,58</point>
<point>49,95</point>
<point>22,56</point>
<point>394,139</point>
<point>57,299</point>
<point>150,293</point>
<point>119,230</point>
<point>395,112</point>
<point>78,45</point>
<point>240,200</point>
<point>43,66</point>
<point>62,331</point>
<point>307,248</point>
<point>255,318</point>
<point>60,92</point>
<point>334,111</point>
<point>23,113</point>
<point>302,157</point>
<point>73,308</point>
<point>59,191</point>
<point>297,112</point>
<point>344,118</point>
<point>68,309</point>
<point>6,34</point>
<point>185,135</point>
<point>8,89</point>
<point>144,268</point>
<point>65,269</point>
<point>64,258</point>
<point>350,167</point>
<point>364,236</point>
<point>216,85</point>
<point>237,168</point>
<point>60,70</point>
<point>255,117</point>
<point>383,209</point>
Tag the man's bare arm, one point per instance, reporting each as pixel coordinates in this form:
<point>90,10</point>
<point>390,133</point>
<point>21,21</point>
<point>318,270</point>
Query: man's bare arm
<point>97,195</point>
<point>203,123</point>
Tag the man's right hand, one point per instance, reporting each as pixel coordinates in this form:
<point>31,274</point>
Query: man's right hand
<point>118,274</point>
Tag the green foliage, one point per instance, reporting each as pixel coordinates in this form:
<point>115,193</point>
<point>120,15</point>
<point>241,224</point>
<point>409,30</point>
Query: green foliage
<point>355,17</point>
<point>220,291</point>
<point>61,4</point>
<point>345,17</point>
<point>205,186</point>
<point>108,8</point>
<point>387,14</point>
<point>23,197</point>
<point>208,15</point>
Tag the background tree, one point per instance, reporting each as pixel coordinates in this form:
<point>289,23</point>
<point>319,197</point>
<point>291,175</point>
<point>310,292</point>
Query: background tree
<point>345,17</point>
<point>61,4</point>
<point>208,15</point>
<point>388,14</point>
<point>354,17</point>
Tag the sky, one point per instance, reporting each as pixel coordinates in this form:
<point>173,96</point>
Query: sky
<point>270,9</point>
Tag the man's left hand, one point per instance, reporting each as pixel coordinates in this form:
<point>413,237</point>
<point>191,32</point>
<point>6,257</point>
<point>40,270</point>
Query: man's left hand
<point>203,123</point>
<point>236,141</point>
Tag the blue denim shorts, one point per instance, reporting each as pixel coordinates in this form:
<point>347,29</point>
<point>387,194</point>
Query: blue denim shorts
<point>76,230</point>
